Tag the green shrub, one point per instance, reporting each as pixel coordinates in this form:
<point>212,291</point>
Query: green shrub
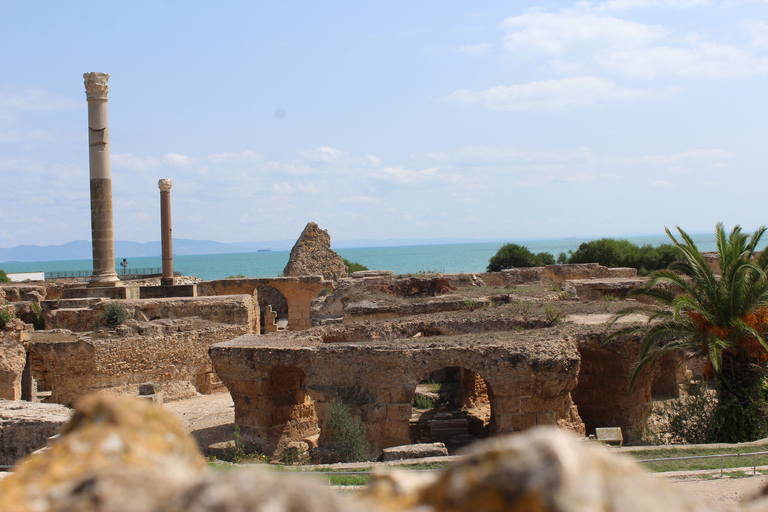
<point>347,433</point>
<point>353,266</point>
<point>553,314</point>
<point>611,252</point>
<point>38,319</point>
<point>513,255</point>
<point>114,314</point>
<point>4,277</point>
<point>423,402</point>
<point>238,276</point>
<point>6,315</point>
<point>471,304</point>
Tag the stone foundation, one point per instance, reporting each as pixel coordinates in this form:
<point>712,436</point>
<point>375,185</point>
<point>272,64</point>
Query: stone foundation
<point>282,388</point>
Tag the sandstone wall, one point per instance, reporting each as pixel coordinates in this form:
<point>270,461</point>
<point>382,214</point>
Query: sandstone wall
<point>13,358</point>
<point>281,389</point>
<point>178,360</point>
<point>601,393</point>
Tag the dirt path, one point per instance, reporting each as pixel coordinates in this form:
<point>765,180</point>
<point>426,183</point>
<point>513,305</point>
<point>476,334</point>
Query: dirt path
<point>210,419</point>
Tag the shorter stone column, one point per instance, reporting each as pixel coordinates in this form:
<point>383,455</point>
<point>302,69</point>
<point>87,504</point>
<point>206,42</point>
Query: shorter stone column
<point>166,231</point>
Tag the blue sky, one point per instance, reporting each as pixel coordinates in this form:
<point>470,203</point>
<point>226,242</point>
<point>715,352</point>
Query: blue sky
<point>388,119</point>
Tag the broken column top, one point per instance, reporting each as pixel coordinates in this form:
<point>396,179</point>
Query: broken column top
<point>165,184</point>
<point>96,85</point>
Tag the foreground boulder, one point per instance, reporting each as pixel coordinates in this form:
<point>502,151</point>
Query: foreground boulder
<point>312,256</point>
<point>124,454</point>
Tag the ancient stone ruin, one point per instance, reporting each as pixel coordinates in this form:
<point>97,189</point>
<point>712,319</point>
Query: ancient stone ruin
<point>312,255</point>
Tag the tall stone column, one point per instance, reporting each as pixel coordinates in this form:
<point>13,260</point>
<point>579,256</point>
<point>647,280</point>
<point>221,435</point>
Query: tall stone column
<point>166,234</point>
<point>102,235</point>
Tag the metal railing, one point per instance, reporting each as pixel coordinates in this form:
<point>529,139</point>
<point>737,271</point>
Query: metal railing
<point>719,456</point>
<point>133,272</point>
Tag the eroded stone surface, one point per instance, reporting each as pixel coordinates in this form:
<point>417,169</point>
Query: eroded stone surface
<point>312,255</point>
<point>281,385</point>
<point>26,426</point>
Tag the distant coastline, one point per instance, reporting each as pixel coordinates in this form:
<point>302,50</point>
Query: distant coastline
<point>405,259</point>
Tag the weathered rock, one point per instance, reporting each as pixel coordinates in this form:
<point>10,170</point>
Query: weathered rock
<point>414,451</point>
<point>541,470</point>
<point>115,454</point>
<point>596,289</point>
<point>25,427</point>
<point>13,358</point>
<point>312,255</point>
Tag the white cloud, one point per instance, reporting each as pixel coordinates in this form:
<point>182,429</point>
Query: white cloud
<point>295,187</point>
<point>758,30</point>
<point>244,157</point>
<point>176,160</point>
<point>625,5</point>
<point>690,154</point>
<point>323,154</point>
<point>568,93</point>
<point>36,100</point>
<point>543,33</point>
<point>475,49</point>
<point>578,42</point>
<point>701,59</point>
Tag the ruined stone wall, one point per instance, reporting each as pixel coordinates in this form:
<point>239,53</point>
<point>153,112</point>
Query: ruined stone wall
<point>601,393</point>
<point>178,360</point>
<point>571,271</point>
<point>528,382</point>
<point>81,315</point>
<point>13,358</point>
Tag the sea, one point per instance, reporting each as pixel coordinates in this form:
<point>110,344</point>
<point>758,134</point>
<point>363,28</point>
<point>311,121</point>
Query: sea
<point>411,259</point>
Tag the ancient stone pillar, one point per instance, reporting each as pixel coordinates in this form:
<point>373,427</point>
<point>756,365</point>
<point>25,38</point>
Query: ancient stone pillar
<point>103,241</point>
<point>166,231</point>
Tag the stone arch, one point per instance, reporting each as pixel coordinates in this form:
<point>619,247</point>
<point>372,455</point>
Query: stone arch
<point>462,407</point>
<point>269,296</point>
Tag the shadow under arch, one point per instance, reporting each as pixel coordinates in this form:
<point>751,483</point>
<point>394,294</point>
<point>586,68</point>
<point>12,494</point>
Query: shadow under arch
<point>453,405</point>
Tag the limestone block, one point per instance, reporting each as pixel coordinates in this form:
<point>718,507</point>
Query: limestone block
<point>414,451</point>
<point>396,430</point>
<point>26,426</point>
<point>373,413</point>
<point>398,412</point>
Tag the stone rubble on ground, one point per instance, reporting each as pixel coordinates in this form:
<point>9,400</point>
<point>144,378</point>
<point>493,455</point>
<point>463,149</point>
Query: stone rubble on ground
<point>121,454</point>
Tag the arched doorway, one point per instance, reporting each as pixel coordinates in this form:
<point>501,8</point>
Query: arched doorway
<point>451,405</point>
<point>271,296</point>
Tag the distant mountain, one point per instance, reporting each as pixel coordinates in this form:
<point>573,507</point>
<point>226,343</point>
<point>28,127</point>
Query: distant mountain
<point>81,249</point>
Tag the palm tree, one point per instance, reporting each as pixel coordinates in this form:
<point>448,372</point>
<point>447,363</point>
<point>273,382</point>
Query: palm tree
<point>723,319</point>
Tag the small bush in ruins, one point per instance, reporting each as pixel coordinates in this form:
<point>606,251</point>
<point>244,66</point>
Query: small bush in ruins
<point>114,314</point>
<point>353,266</point>
<point>38,319</point>
<point>347,433</point>
<point>3,277</point>
<point>690,419</point>
<point>5,316</point>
